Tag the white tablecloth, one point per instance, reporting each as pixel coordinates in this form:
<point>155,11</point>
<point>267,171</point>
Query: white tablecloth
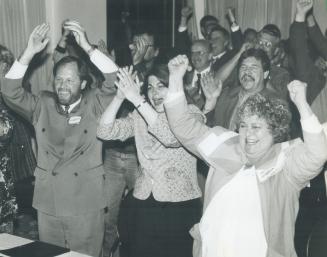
<point>9,241</point>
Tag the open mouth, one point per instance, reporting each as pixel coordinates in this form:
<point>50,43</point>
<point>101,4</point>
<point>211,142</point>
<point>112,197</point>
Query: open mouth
<point>63,94</point>
<point>158,101</point>
<point>247,78</point>
<point>251,142</point>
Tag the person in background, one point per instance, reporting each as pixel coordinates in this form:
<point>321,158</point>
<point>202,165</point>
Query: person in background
<point>21,163</point>
<point>250,35</point>
<point>269,40</point>
<point>8,205</point>
<point>201,54</point>
<point>255,176</point>
<point>310,229</point>
<point>183,39</point>
<point>120,159</point>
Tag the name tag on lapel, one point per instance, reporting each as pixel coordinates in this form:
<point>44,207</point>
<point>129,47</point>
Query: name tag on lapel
<point>74,120</point>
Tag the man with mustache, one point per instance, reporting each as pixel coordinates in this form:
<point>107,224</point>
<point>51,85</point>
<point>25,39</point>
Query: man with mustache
<point>253,72</point>
<point>69,177</point>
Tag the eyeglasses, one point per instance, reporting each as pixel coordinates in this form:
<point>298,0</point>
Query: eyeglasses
<point>198,53</point>
<point>134,45</point>
<point>265,44</point>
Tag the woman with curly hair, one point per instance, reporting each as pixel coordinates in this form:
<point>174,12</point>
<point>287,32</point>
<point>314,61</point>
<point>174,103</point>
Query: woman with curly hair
<point>255,177</point>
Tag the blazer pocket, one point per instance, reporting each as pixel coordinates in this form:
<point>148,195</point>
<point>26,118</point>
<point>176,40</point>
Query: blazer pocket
<point>40,173</point>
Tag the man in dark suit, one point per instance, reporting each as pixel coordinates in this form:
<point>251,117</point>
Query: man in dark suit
<point>220,41</point>
<point>69,178</point>
<point>201,54</point>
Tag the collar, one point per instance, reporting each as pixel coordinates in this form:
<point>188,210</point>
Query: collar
<point>73,105</point>
<point>205,71</point>
<point>218,56</point>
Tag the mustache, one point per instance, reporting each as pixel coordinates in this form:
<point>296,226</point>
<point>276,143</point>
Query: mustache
<point>245,76</point>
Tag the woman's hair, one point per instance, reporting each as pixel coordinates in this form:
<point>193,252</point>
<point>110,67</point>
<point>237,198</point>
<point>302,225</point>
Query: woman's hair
<point>274,111</point>
<point>6,57</point>
<point>161,72</point>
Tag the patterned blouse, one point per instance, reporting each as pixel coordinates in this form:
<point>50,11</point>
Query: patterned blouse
<point>8,206</point>
<point>167,170</point>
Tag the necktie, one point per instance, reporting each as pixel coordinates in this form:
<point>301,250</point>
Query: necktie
<point>66,108</point>
<point>198,83</point>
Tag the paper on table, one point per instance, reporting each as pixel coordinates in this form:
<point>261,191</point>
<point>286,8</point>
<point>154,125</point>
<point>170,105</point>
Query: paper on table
<point>8,241</point>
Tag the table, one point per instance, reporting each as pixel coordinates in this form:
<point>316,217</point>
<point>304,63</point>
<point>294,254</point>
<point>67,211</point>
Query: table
<point>8,241</point>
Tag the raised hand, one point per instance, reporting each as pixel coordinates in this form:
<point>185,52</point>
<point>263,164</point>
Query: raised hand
<point>302,8</point>
<point>36,43</point>
<point>178,66</point>
<point>138,49</point>
<point>211,88</point>
<point>128,85</point>
<point>79,34</point>
<point>186,11</point>
<point>297,90</point>
<point>65,32</point>
<point>102,46</point>
<point>246,46</point>
<point>278,55</point>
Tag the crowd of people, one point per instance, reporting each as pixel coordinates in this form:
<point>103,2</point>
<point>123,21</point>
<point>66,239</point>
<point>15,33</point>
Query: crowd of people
<point>214,148</point>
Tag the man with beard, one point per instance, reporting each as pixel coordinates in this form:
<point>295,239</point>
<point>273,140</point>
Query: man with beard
<point>69,182</point>
<point>253,73</point>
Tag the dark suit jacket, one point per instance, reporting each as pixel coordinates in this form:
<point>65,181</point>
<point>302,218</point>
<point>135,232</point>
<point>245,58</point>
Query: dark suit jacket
<point>69,174</point>
<point>192,93</point>
<point>237,41</point>
<point>226,103</point>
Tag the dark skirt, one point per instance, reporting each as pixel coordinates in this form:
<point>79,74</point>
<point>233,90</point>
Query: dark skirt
<point>148,228</point>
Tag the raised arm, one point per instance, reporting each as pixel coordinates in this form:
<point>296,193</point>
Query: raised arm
<point>106,93</point>
<point>61,48</point>
<point>16,97</point>
<point>225,71</point>
<point>305,160</point>
<point>111,129</point>
<point>183,42</point>
<point>305,69</point>
<point>236,34</point>
<point>187,127</point>
<point>316,36</point>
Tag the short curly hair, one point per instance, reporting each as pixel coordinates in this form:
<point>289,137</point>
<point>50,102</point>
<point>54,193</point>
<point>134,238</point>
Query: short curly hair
<point>7,57</point>
<point>273,110</point>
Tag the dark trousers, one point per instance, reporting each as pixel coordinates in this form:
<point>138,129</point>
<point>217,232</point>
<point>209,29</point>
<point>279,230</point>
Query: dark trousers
<point>149,228</point>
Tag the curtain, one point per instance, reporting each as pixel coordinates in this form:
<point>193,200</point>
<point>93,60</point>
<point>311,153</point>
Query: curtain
<point>279,12</point>
<point>254,13</point>
<point>194,21</point>
<point>18,18</point>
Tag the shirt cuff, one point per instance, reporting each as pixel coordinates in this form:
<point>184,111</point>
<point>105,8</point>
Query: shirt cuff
<point>17,71</point>
<point>171,97</point>
<point>311,125</point>
<point>234,28</point>
<point>182,28</point>
<point>103,62</point>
